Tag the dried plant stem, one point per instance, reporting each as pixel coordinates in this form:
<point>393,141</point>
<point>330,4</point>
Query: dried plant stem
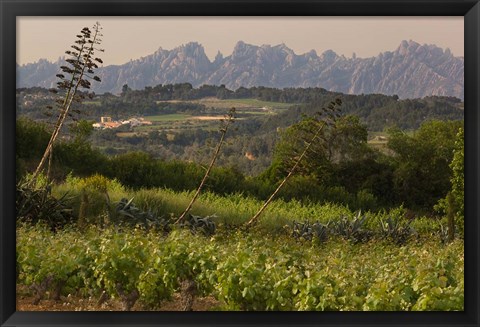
<point>229,120</point>
<point>300,158</point>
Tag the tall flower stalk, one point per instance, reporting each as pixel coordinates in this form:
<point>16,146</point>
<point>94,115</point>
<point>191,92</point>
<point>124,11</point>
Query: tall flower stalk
<point>226,122</point>
<point>76,74</point>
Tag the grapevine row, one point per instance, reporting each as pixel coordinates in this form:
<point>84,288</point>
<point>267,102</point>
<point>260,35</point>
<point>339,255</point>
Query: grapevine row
<point>240,270</point>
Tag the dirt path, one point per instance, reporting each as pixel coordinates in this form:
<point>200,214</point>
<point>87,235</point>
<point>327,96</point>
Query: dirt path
<point>72,303</point>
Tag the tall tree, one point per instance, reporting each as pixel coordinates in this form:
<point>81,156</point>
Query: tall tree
<point>325,118</point>
<point>343,142</point>
<point>422,174</point>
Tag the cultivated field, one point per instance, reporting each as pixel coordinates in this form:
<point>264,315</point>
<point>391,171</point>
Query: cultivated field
<point>354,266</point>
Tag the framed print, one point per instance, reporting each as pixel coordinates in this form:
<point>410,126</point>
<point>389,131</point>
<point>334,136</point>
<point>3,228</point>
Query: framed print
<point>239,163</point>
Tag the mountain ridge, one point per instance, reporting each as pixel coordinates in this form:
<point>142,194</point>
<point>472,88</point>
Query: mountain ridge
<point>410,71</point>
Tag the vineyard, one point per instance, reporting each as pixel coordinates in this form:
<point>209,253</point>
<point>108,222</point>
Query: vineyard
<point>243,272</point>
<point>322,258</point>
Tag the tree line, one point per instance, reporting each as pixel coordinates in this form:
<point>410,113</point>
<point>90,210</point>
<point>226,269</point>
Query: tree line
<point>378,111</point>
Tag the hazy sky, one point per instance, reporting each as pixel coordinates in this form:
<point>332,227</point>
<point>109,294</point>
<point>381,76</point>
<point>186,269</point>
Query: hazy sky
<point>128,38</point>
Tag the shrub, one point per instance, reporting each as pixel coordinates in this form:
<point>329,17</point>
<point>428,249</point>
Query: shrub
<point>366,200</point>
<point>92,197</point>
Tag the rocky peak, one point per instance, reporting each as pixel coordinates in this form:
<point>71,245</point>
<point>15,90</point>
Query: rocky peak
<point>283,48</point>
<point>311,54</point>
<point>243,49</point>
<point>328,56</point>
<point>192,49</point>
<point>407,47</point>
<point>218,58</point>
<point>411,70</point>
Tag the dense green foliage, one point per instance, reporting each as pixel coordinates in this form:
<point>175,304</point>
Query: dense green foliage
<point>375,108</point>
<point>32,139</point>
<point>157,206</point>
<point>243,271</point>
<point>454,202</point>
<point>458,178</point>
<point>422,175</point>
<point>415,171</point>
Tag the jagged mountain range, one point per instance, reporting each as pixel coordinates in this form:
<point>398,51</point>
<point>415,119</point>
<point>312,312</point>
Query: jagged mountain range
<point>411,71</point>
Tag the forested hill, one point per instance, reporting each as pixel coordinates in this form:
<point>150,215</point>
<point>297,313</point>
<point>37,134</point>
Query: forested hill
<point>410,71</point>
<point>377,111</point>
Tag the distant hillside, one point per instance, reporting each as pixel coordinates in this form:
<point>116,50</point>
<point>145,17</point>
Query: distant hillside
<point>410,71</point>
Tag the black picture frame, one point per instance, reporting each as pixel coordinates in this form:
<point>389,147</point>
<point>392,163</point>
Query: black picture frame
<point>10,9</point>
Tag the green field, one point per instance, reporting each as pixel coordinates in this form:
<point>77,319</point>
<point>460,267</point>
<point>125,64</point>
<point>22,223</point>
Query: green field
<point>182,122</point>
<point>245,109</point>
<point>255,103</point>
<point>168,118</point>
<point>237,103</point>
<point>267,267</point>
<point>174,122</point>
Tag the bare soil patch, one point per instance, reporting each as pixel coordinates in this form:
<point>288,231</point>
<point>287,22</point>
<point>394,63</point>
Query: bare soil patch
<point>207,118</point>
<point>75,303</point>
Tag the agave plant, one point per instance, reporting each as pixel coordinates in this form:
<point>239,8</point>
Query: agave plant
<point>204,225</point>
<point>352,229</point>
<point>37,204</point>
<point>127,213</point>
<point>309,231</point>
<point>396,230</point>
